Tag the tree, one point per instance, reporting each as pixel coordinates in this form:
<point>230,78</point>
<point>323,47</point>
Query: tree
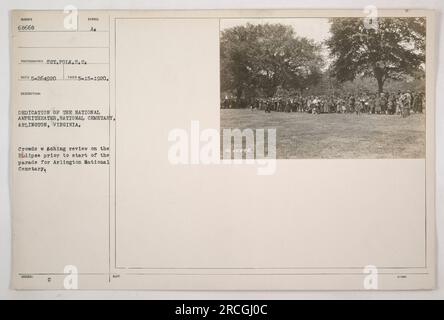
<point>260,59</point>
<point>390,49</point>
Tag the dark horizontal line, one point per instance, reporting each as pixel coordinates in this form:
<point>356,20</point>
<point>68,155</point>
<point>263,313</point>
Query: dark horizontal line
<point>66,64</point>
<point>270,274</point>
<point>26,80</point>
<point>67,31</point>
<point>63,47</point>
<point>60,274</point>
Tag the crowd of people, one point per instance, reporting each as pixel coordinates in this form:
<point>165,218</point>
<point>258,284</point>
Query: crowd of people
<point>400,103</point>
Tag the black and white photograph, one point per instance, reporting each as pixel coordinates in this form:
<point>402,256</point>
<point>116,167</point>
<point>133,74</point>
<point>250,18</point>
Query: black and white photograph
<point>333,88</point>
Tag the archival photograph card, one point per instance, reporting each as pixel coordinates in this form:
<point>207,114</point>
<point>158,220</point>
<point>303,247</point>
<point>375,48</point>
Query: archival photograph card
<point>223,149</point>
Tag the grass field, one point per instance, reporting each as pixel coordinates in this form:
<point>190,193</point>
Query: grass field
<point>330,136</point>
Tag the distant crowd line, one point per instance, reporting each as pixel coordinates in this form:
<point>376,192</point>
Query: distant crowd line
<point>400,103</point>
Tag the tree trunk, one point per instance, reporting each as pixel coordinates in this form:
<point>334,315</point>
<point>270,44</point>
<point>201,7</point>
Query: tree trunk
<point>380,84</point>
<point>239,93</point>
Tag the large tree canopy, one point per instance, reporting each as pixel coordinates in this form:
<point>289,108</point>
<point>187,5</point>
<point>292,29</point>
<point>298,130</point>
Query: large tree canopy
<point>260,59</point>
<point>392,50</point>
